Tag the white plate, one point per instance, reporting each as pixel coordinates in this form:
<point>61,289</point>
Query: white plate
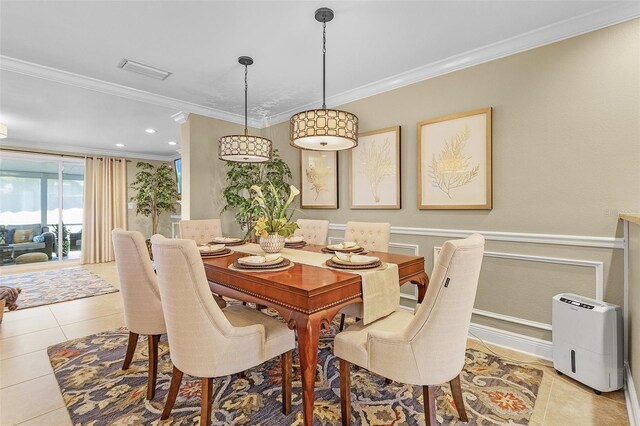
<point>297,239</point>
<point>260,260</point>
<point>356,260</point>
<point>344,246</point>
<point>226,240</point>
<point>211,249</point>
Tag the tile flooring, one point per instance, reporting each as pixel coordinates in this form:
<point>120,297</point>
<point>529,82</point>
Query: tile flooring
<point>29,393</point>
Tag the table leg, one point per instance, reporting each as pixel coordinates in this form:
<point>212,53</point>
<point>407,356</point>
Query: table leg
<point>423,284</point>
<point>308,328</point>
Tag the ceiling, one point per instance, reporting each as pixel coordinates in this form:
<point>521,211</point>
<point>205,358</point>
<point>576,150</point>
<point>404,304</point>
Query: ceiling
<point>60,86</point>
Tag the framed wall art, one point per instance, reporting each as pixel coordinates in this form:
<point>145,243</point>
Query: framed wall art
<point>318,179</point>
<point>454,161</point>
<point>374,171</point>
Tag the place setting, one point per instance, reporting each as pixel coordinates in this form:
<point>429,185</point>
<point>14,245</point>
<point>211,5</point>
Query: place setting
<point>343,247</point>
<point>294,242</point>
<point>262,263</point>
<point>353,261</point>
<point>228,241</point>
<point>213,250</point>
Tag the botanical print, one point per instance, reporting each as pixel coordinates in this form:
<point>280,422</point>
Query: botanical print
<point>452,168</point>
<point>318,179</point>
<point>454,161</point>
<point>96,391</point>
<point>375,177</point>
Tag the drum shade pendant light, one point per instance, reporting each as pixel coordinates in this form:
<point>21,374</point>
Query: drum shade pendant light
<point>324,129</point>
<point>244,148</point>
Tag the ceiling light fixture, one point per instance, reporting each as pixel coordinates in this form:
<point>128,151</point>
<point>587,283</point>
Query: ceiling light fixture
<point>173,143</point>
<point>150,131</point>
<point>3,130</point>
<point>324,129</point>
<point>244,148</point>
<point>120,145</point>
<point>146,70</point>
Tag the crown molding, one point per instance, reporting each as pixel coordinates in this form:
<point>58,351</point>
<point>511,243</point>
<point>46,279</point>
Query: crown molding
<point>76,80</point>
<point>592,21</point>
<point>78,150</point>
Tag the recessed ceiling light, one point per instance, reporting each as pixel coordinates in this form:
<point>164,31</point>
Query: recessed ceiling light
<point>120,145</point>
<point>173,143</point>
<point>150,131</point>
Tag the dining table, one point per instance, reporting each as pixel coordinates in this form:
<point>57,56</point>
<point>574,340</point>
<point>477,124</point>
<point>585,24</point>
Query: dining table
<point>306,297</point>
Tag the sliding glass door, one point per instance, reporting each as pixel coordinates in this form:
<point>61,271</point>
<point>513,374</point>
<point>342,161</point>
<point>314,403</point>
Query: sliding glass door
<point>40,208</point>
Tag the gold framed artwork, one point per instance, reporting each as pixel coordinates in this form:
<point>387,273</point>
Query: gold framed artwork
<point>454,161</point>
<point>318,179</point>
<point>374,171</point>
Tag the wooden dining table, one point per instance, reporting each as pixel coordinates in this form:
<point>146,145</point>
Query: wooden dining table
<point>307,297</point>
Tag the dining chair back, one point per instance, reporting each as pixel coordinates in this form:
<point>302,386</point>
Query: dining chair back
<point>206,341</point>
<point>369,235</point>
<point>313,231</point>
<point>427,348</point>
<point>201,231</point>
<point>140,297</point>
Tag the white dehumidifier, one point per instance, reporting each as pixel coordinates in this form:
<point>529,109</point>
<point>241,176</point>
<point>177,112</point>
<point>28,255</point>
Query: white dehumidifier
<point>587,341</point>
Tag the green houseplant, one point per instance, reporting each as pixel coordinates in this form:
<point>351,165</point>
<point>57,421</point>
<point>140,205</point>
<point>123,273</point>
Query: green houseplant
<point>157,191</point>
<point>242,176</point>
<point>274,223</point>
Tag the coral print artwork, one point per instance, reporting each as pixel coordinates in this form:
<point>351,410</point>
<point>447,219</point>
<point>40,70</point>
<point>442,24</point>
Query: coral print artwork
<point>319,179</point>
<point>454,161</point>
<point>375,170</point>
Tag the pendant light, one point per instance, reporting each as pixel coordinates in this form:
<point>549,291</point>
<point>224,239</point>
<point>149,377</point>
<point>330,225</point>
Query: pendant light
<point>324,129</point>
<point>244,148</point>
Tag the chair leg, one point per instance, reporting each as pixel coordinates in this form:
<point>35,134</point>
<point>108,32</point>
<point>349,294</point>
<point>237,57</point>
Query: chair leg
<point>456,391</point>
<point>345,392</point>
<point>286,362</point>
<point>174,387</point>
<point>153,365</point>
<point>342,317</point>
<point>205,403</point>
<point>131,348</point>
<point>429,396</point>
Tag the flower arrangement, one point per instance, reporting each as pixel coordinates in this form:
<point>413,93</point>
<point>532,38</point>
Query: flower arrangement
<point>275,217</point>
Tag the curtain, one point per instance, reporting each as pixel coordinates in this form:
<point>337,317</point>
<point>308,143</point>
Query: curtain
<point>105,206</point>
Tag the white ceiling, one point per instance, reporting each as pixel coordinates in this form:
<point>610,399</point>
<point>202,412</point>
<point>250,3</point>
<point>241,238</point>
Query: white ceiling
<point>371,47</point>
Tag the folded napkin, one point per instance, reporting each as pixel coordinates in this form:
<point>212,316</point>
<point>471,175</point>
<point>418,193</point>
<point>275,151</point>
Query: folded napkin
<point>211,248</point>
<point>356,258</point>
<point>345,245</point>
<point>257,260</point>
<point>296,239</point>
<point>226,239</point>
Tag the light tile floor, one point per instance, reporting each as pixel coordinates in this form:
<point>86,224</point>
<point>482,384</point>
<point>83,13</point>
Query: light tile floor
<point>29,393</point>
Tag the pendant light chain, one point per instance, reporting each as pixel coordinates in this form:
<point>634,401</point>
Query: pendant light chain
<point>324,55</point>
<point>246,90</point>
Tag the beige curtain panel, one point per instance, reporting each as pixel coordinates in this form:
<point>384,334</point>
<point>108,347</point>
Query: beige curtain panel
<point>105,206</point>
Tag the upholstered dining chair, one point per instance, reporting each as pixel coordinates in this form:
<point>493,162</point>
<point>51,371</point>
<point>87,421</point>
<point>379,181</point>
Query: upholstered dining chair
<point>140,298</point>
<point>424,349</point>
<point>313,231</point>
<point>201,231</point>
<point>205,340</point>
<point>372,237</point>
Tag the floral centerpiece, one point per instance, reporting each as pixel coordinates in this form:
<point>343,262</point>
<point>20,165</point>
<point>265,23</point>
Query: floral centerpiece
<point>274,223</point>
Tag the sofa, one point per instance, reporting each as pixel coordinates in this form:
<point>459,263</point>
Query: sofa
<point>28,238</point>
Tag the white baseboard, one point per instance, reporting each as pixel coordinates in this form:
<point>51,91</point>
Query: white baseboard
<point>514,341</point>
<point>630,395</point>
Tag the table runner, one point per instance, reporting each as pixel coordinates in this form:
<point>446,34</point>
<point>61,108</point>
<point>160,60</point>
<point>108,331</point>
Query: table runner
<point>380,288</point>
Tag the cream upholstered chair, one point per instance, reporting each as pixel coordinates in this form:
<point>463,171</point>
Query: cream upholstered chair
<point>427,348</point>
<point>313,231</point>
<point>140,297</point>
<point>372,237</point>
<point>205,340</point>
<point>201,231</point>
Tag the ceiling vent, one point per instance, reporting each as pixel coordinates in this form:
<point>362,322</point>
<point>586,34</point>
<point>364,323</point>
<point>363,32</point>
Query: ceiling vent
<point>146,70</point>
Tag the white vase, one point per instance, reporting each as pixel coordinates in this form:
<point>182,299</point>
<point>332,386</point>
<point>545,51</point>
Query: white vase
<point>272,243</point>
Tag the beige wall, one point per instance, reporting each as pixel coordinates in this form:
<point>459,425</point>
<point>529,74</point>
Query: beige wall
<point>143,223</point>
<point>565,161</point>
<point>634,304</point>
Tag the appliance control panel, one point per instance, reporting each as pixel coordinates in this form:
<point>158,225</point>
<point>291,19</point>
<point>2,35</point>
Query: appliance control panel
<point>576,303</point>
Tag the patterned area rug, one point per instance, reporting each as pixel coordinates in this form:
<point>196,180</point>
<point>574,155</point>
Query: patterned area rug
<point>55,286</point>
<point>97,392</point>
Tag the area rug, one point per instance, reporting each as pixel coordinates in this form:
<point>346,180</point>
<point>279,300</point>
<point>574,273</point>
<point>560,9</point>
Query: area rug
<point>97,392</point>
<point>55,286</point>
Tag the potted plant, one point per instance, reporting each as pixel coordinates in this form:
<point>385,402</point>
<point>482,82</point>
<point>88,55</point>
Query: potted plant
<point>242,176</point>
<point>157,193</point>
<point>274,223</point>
